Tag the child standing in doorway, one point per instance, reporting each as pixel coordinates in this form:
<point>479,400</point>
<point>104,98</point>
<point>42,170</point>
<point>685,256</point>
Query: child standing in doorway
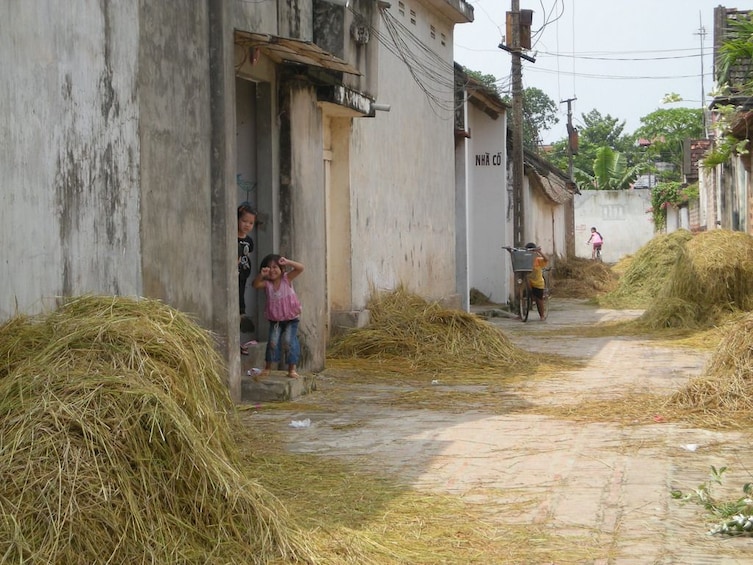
<point>283,310</point>
<point>246,221</point>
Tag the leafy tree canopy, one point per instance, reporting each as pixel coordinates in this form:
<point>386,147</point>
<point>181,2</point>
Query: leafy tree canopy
<point>597,131</point>
<point>489,81</point>
<point>666,130</point>
<point>610,172</point>
<point>539,115</point>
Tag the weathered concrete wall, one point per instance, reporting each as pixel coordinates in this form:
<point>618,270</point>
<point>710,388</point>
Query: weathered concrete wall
<point>488,205</point>
<point>69,152</point>
<point>402,181</point>
<point>295,19</point>
<point>302,213</point>
<point>545,221</point>
<point>259,17</point>
<point>116,161</point>
<point>175,131</point>
<point>349,34</point>
<point>620,216</point>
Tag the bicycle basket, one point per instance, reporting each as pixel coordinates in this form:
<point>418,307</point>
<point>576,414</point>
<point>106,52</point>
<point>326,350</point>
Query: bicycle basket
<point>522,260</point>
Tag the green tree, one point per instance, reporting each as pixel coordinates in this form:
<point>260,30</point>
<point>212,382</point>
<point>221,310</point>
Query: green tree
<point>539,115</point>
<point>489,81</point>
<point>667,129</point>
<point>610,172</point>
<point>596,131</point>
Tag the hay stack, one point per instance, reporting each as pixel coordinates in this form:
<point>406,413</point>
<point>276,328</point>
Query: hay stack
<point>712,276</point>
<point>405,328</point>
<point>724,393</point>
<point>647,271</point>
<point>115,443</point>
<point>575,277</point>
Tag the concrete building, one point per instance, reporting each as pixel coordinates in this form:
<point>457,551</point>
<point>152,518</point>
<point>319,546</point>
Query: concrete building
<point>483,199</point>
<point>484,203</point>
<point>134,130</point>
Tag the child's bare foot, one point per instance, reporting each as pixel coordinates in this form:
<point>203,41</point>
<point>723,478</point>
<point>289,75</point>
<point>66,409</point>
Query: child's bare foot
<point>293,375</point>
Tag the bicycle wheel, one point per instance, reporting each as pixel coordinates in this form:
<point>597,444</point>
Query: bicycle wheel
<point>524,298</point>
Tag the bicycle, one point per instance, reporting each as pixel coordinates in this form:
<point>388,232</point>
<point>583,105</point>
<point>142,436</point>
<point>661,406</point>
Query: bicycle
<point>596,252</point>
<point>522,265</point>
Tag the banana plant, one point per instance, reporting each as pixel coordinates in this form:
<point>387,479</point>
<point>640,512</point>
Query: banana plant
<point>610,172</point>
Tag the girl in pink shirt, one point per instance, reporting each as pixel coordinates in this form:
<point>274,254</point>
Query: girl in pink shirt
<point>283,310</point>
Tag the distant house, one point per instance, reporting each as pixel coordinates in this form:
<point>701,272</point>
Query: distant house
<point>726,193</point>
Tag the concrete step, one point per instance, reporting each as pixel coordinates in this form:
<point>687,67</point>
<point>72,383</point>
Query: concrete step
<point>276,387</point>
<point>255,357</point>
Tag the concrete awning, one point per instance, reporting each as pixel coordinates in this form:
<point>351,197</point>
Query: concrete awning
<point>286,50</point>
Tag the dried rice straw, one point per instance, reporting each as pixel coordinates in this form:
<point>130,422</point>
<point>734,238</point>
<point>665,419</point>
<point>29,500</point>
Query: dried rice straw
<point>115,443</point>
<point>404,327</point>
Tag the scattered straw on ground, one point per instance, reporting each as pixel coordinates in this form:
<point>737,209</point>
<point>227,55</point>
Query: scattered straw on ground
<point>361,516</point>
<point>116,444</point>
<point>575,277</point>
<point>646,272</point>
<point>723,395</point>
<point>405,329</point>
<point>711,278</point>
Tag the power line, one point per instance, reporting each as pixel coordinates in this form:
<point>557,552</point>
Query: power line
<point>618,77</point>
<point>638,59</point>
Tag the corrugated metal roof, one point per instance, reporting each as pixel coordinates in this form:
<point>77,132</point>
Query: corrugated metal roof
<point>287,50</point>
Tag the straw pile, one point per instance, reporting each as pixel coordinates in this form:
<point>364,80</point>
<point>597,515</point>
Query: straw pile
<point>116,445</point>
<point>406,328</point>
<point>575,277</point>
<point>647,271</point>
<point>712,277</point>
<point>723,395</point>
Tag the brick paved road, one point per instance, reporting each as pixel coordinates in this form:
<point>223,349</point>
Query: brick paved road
<point>605,482</point>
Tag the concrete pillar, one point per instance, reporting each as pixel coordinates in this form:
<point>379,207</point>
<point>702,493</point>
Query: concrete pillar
<point>225,320</point>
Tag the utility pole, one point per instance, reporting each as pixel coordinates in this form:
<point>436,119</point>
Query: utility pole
<point>702,34</point>
<point>516,50</point>
<point>572,137</point>
<point>517,129</point>
<point>572,149</point>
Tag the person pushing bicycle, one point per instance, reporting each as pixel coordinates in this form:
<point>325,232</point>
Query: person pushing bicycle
<point>536,278</point>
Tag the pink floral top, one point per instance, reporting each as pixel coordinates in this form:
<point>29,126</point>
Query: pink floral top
<point>282,303</point>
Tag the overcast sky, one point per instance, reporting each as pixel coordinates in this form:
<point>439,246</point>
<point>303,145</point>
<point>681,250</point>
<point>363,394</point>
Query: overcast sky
<point>619,57</point>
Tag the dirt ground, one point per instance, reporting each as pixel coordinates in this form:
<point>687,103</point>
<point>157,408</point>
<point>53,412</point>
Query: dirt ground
<point>600,481</point>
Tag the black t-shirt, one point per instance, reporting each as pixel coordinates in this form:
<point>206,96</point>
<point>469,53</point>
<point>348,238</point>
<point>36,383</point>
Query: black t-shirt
<point>245,247</point>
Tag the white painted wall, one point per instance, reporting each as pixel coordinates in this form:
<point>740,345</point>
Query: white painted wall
<point>487,204</point>
<point>620,216</point>
<point>545,221</point>
<point>403,176</point>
